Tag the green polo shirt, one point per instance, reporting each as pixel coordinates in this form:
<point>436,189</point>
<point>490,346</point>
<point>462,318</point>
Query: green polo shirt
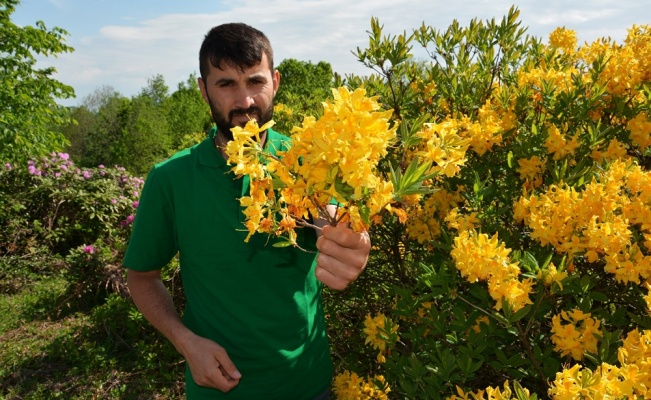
<point>261,303</point>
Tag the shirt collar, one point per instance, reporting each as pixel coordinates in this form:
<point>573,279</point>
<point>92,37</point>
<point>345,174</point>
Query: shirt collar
<point>208,153</point>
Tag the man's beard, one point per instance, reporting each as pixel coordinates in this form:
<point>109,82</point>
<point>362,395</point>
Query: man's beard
<point>224,123</point>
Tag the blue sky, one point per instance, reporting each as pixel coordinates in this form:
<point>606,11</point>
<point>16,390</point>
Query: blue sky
<point>123,43</point>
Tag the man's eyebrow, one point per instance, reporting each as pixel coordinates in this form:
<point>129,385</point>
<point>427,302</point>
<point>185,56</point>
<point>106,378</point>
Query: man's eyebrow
<point>222,81</point>
<point>257,77</point>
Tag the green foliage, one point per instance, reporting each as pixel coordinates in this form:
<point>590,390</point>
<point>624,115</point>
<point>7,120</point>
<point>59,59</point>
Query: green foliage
<point>186,113</point>
<point>28,108</point>
<point>139,132</point>
<point>303,87</point>
<point>144,138</point>
<point>97,128</point>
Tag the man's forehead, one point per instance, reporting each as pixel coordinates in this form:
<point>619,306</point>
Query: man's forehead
<point>227,69</point>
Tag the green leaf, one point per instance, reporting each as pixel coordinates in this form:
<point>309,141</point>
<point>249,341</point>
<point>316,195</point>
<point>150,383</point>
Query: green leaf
<point>411,181</point>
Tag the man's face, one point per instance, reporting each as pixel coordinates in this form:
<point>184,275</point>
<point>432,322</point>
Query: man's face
<point>235,96</point>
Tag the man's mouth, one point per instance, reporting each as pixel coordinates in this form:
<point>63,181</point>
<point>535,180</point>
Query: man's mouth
<point>242,120</point>
<point>241,117</point>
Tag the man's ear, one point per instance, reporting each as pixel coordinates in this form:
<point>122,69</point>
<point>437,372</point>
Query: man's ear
<point>202,88</point>
<point>276,80</point>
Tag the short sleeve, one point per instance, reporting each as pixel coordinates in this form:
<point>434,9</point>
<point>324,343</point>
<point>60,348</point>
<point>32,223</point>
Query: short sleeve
<point>153,240</point>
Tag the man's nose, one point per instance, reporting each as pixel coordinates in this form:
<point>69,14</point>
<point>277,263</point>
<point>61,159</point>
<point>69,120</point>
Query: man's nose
<point>244,99</point>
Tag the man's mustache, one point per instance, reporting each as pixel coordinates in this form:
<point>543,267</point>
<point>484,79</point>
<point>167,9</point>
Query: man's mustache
<point>247,112</point>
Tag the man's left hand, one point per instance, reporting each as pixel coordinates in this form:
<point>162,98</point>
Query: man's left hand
<point>343,255</point>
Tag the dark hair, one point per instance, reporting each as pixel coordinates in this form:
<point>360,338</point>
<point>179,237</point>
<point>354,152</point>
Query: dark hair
<point>237,45</point>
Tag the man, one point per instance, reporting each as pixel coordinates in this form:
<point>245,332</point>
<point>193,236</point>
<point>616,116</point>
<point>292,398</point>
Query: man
<point>253,326</point>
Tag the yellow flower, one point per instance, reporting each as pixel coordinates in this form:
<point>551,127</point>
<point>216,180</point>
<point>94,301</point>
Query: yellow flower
<point>483,320</point>
<point>530,168</point>
<point>558,143</point>
<point>480,258</point>
<point>443,146</point>
<point>349,386</point>
<point>640,129</point>
<point>576,337</point>
<point>647,298</point>
<point>564,39</point>
<point>615,150</point>
<point>375,330</point>
<point>551,275</point>
<point>477,256</point>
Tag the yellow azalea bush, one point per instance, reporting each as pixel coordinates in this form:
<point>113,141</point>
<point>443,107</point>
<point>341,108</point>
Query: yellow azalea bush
<point>505,184</point>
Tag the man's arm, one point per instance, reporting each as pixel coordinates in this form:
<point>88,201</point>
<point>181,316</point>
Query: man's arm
<point>342,254</point>
<point>208,362</point>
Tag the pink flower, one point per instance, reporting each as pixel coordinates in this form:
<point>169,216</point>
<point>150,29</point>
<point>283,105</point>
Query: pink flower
<point>135,204</point>
<point>8,167</point>
<point>101,166</point>
<point>31,169</point>
<point>128,221</point>
<point>86,174</point>
<point>89,249</point>
<point>114,201</point>
<point>64,156</point>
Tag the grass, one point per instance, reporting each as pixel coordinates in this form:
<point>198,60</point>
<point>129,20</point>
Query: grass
<point>52,347</point>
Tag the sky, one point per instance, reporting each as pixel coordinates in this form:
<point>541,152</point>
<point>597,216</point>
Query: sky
<point>124,43</point>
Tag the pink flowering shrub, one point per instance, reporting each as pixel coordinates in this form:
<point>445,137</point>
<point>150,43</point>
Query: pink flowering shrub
<point>55,216</point>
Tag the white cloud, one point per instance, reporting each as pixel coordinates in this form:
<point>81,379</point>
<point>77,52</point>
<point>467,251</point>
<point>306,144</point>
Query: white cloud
<point>125,56</point>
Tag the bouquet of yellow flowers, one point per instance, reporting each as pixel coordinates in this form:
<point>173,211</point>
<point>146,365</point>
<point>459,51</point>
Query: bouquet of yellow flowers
<point>332,160</point>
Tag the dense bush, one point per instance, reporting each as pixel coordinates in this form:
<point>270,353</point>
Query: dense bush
<point>57,218</point>
<point>525,270</point>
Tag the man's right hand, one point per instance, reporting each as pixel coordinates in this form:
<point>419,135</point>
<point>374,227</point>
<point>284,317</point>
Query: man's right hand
<point>208,361</point>
<point>210,365</point>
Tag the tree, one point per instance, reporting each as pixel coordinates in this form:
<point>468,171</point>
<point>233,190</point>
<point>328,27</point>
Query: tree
<point>28,108</point>
<point>304,80</point>
<point>303,86</point>
<point>95,127</point>
<point>186,111</point>
<point>144,137</point>
<point>156,89</point>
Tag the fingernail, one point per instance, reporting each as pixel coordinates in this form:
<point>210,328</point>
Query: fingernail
<point>236,375</point>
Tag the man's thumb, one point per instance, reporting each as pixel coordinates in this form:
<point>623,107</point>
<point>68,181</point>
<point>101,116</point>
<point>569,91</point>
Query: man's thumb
<point>229,369</point>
